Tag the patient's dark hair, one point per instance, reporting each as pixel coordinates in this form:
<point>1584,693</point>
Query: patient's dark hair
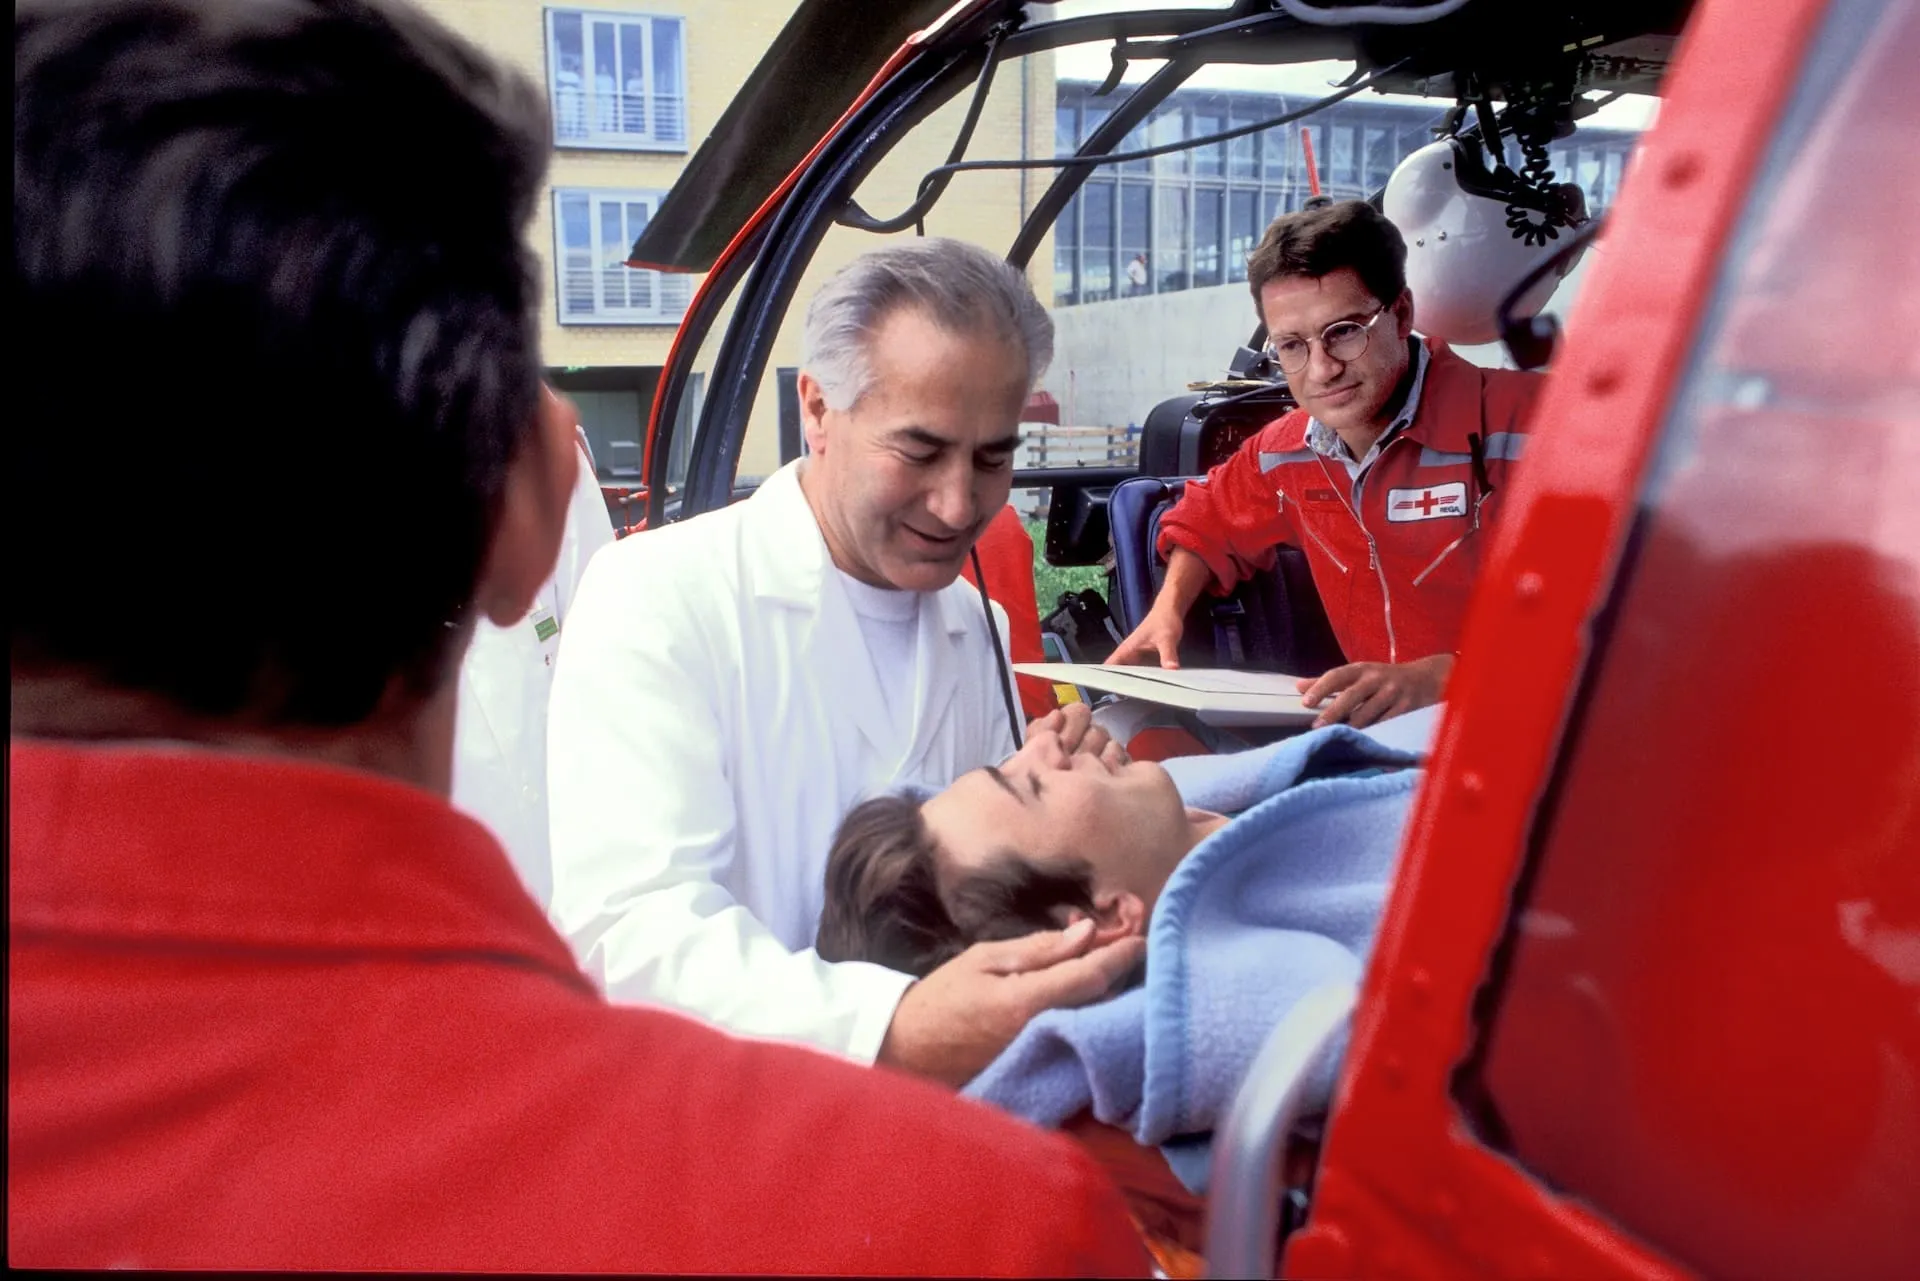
<point>885,902</point>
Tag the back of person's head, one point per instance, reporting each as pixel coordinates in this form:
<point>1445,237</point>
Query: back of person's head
<point>277,346</point>
<point>1319,240</point>
<point>960,286</point>
<point>888,903</point>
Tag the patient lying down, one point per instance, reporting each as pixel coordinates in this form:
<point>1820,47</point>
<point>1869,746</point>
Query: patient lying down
<point>1037,844</point>
<point>1243,915</point>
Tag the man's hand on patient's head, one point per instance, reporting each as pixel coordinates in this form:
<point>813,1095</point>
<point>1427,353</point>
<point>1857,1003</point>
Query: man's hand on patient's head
<point>958,1019</point>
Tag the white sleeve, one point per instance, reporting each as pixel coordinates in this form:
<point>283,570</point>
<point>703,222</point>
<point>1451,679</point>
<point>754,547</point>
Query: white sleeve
<point>589,528</point>
<point>642,820</point>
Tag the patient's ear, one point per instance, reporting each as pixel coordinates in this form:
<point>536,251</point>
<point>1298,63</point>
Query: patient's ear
<point>1115,916</point>
<point>1129,913</point>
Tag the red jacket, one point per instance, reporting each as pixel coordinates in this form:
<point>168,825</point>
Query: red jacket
<point>1395,568</point>
<point>272,1015</point>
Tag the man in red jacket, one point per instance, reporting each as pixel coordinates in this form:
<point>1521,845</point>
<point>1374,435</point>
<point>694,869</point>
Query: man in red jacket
<point>272,1002</point>
<point>1388,476</point>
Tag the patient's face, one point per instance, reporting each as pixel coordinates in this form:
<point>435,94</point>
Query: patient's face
<point>1127,821</point>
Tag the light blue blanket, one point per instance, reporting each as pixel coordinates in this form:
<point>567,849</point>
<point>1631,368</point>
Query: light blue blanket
<point>1284,898</point>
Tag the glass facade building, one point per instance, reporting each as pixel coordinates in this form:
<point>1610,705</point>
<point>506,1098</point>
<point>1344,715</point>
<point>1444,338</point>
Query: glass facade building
<point>1188,219</point>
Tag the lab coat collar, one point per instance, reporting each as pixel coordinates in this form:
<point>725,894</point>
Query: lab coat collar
<point>794,563</point>
<point>785,540</point>
<point>940,669</point>
<point>789,544</point>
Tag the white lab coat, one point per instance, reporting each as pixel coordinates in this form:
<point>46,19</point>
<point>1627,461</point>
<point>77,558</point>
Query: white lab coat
<point>715,714</point>
<point>500,731</point>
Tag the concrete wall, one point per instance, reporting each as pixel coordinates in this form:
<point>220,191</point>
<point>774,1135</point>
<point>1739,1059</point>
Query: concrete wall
<point>1114,361</point>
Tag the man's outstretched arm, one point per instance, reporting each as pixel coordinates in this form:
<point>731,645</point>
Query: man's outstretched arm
<point>1224,527</point>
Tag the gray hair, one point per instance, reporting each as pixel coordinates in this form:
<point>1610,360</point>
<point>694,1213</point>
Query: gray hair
<point>959,286</point>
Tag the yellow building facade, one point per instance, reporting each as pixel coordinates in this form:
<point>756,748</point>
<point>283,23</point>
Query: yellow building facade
<point>634,89</point>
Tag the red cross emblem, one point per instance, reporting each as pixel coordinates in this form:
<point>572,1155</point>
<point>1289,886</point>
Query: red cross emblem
<point>1428,502</point>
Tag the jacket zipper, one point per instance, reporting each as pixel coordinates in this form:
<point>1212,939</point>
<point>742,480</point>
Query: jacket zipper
<point>1322,543</point>
<point>1445,552</point>
<point>1373,551</point>
<point>1479,499</point>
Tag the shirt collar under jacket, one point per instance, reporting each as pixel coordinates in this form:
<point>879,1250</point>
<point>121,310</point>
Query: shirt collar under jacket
<point>1323,440</point>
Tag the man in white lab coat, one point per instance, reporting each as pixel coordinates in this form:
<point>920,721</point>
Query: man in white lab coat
<point>500,730</point>
<point>730,686</point>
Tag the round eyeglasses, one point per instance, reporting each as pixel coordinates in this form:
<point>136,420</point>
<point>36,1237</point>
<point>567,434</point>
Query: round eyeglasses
<point>1343,340</point>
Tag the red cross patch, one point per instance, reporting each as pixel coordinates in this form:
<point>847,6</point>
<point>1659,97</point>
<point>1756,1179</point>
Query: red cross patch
<point>1430,503</point>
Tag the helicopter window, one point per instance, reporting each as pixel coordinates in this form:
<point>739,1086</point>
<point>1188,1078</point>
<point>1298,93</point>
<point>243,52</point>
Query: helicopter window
<point>1716,915</point>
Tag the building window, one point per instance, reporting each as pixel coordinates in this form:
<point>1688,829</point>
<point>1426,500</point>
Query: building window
<point>593,232</point>
<point>1136,229</point>
<point>1171,223</point>
<point>1066,254</point>
<point>1277,147</point>
<point>618,80</point>
<point>1243,231</point>
<point>1136,140</point>
<point>1243,155</point>
<point>1092,116</point>
<point>1209,207</point>
<point>1610,179</point>
<point>1168,126</point>
<point>1342,171</point>
<point>1096,242</point>
<point>1381,157</point>
<point>1065,140</point>
<point>1587,169</point>
<point>1209,118</point>
<point>1170,240</point>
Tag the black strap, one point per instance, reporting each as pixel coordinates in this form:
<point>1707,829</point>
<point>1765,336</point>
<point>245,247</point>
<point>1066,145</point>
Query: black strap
<point>1000,654</point>
<point>1478,449</point>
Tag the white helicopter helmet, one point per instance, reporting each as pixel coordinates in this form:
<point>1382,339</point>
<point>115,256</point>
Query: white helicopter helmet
<point>1463,256</point>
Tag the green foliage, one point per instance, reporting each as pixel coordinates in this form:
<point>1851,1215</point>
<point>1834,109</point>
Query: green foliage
<point>1049,581</point>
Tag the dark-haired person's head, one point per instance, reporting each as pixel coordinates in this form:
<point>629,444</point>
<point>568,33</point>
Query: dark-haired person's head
<point>1041,842</point>
<point>280,436</point>
<point>1338,267</point>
